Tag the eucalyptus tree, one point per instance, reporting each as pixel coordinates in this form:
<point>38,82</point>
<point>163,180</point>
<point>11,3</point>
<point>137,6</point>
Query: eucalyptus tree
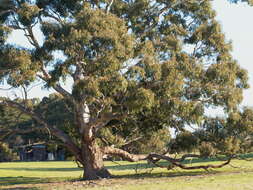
<point>135,65</point>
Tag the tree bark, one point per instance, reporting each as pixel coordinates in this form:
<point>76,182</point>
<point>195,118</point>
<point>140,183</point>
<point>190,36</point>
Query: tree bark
<point>92,161</point>
<point>91,154</point>
<point>123,154</point>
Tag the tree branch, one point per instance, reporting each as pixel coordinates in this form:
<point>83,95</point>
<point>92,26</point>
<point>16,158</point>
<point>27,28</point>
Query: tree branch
<point>123,154</point>
<point>154,158</point>
<point>108,7</point>
<point>58,88</point>
<point>58,19</point>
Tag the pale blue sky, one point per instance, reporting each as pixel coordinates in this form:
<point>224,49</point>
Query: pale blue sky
<point>236,24</point>
<point>236,21</point>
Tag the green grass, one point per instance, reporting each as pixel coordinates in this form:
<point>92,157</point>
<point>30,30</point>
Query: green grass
<point>128,176</point>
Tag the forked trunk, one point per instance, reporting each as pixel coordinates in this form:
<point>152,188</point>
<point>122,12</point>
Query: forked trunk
<point>92,160</point>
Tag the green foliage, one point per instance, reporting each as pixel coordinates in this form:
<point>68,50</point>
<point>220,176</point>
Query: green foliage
<point>241,121</point>
<point>184,141</point>
<point>206,149</point>
<point>230,145</point>
<point>16,66</point>
<point>229,136</point>
<point>4,31</point>
<point>155,142</point>
<point>27,14</point>
<point>138,142</point>
<point>134,49</point>
<point>139,99</point>
<point>160,64</point>
<point>6,154</point>
<point>57,112</point>
<point>63,7</point>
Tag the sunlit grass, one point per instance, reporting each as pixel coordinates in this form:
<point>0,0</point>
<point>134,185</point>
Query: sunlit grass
<point>37,172</point>
<point>24,175</point>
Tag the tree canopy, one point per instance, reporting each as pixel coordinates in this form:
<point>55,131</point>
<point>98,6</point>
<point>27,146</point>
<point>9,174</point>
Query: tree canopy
<point>135,66</point>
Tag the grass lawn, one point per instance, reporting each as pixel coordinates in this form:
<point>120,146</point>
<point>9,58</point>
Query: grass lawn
<point>128,176</point>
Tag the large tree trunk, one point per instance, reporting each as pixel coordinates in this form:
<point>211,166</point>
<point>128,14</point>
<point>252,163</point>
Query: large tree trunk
<point>92,161</point>
<point>91,155</point>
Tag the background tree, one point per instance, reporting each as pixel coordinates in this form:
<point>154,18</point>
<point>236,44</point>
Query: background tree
<point>135,65</point>
<point>18,128</point>
<point>219,135</point>
<point>6,153</point>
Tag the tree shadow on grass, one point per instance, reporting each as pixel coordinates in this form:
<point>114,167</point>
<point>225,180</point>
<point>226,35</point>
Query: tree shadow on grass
<point>167,174</point>
<point>133,166</point>
<point>22,183</point>
<point>44,169</point>
<point>20,188</point>
<point>4,181</point>
<point>130,166</point>
<point>146,170</point>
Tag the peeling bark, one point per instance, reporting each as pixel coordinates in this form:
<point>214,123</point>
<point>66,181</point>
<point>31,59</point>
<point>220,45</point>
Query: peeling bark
<point>92,161</point>
<point>91,156</point>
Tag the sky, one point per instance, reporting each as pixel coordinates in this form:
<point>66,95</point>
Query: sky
<point>236,21</point>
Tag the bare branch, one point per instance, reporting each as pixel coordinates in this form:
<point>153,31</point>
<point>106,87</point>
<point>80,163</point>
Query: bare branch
<point>58,88</point>
<point>56,18</point>
<point>108,7</point>
<point>4,12</point>
<point>30,36</point>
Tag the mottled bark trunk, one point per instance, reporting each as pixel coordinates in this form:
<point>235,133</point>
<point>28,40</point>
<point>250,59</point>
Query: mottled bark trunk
<point>92,160</point>
<point>91,155</point>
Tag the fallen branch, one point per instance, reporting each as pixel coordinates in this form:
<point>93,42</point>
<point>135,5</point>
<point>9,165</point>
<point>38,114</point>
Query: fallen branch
<point>123,154</point>
<point>155,158</point>
<point>178,162</point>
